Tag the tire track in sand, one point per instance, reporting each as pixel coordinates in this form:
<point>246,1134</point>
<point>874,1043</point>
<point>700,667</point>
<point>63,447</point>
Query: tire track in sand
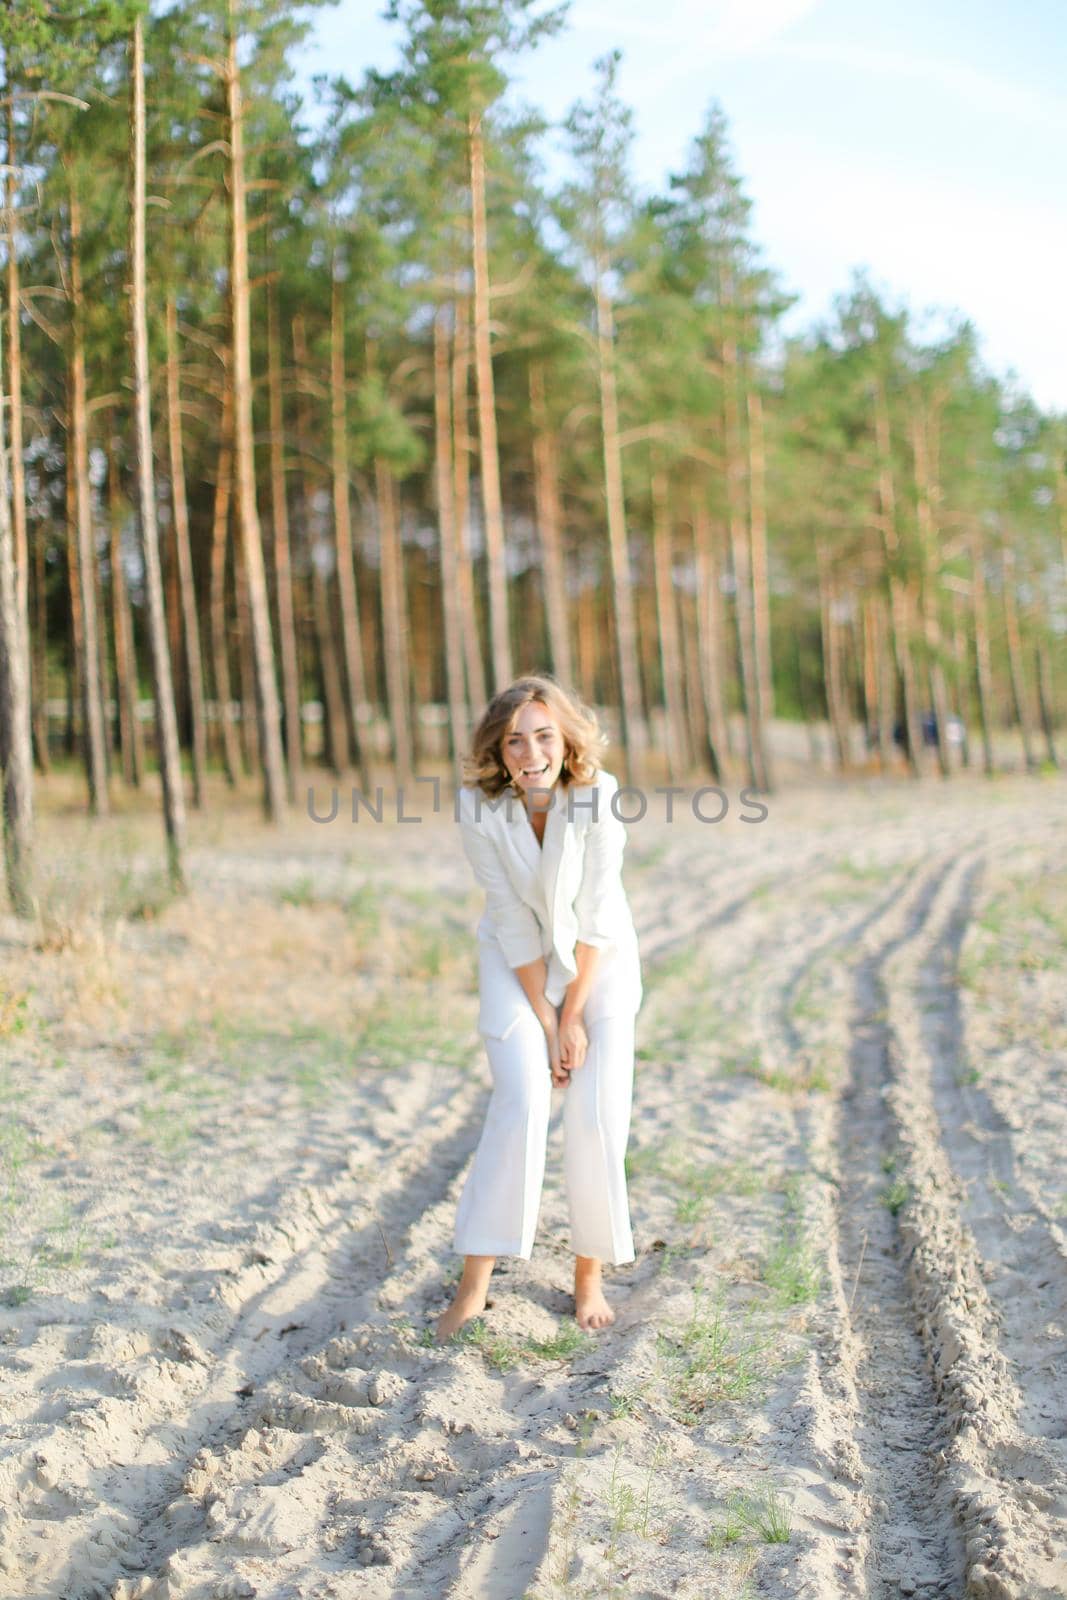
<point>987,1278</point>
<point>910,1544</point>
<point>284,1306</point>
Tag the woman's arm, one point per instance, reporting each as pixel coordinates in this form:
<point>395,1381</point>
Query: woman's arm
<point>516,926</point>
<point>595,904</point>
<point>587,957</point>
<point>533,977</point>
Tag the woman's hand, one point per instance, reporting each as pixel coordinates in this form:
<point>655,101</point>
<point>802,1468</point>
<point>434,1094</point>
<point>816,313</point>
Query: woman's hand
<point>573,1041</point>
<point>551,1023</point>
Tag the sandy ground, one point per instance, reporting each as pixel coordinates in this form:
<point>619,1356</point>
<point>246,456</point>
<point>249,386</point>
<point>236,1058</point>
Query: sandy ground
<point>233,1129</point>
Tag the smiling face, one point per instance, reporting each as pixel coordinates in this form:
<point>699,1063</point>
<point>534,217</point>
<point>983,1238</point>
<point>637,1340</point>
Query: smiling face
<point>533,751</point>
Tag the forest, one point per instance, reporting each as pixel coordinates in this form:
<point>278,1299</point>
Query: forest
<point>323,420</point>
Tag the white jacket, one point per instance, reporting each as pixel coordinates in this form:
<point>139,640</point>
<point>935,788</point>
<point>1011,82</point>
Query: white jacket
<point>541,899</point>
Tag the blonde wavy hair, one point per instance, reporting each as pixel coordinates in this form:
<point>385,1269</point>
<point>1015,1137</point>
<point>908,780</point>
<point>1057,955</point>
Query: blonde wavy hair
<point>584,741</point>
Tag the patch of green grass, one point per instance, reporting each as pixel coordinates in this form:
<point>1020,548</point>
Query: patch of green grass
<point>624,1402</point>
<point>363,909</point>
<point>792,1270</point>
<point>971,969</point>
<point>630,1509</point>
<point>643,862</point>
<point>729,1530</point>
<point>707,1360</point>
<point>805,1004</point>
<point>695,1184</point>
<point>301,892</point>
<point>895,1196</point>
<point>393,1032</point>
<point>138,893</point>
<point>430,953</point>
<point>500,1352</point>
<point>15,1018</point>
<point>870,872</point>
<point>17,1146</point>
<point>680,962</point>
<point>803,1078</point>
<point>561,1346</point>
<point>766,1514</point>
<point>70,1254</point>
<point>505,1353</point>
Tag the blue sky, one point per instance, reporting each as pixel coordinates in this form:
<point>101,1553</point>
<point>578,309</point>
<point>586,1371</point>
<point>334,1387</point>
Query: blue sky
<point>923,140</point>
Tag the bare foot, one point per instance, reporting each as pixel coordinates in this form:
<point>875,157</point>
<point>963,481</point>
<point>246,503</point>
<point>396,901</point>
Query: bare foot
<point>591,1310</point>
<point>470,1298</point>
<point>462,1309</point>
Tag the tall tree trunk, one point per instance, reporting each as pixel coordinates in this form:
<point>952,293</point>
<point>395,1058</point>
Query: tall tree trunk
<point>335,720</point>
<point>648,658</point>
<point>1043,679</point>
<point>16,760</point>
<point>131,736</point>
<point>488,457</point>
<point>248,514</point>
<point>1016,669</point>
<point>78,443</point>
<point>695,708</point>
<point>14,367</point>
<point>172,606</point>
<point>711,632</point>
<point>982,653</point>
<point>741,557</point>
<point>670,646</point>
<point>35,647</point>
<point>451,605</point>
<point>426,604</point>
<point>162,686</point>
<point>39,658</point>
<point>962,671</point>
<point>105,656</point>
<point>869,675</point>
<point>335,724</point>
<point>833,673</point>
<point>220,639</point>
<point>283,570</point>
<point>761,593</point>
<point>634,731</point>
<point>351,638</point>
<point>461,455</point>
<point>926,490</point>
<point>550,526</point>
<point>395,629</point>
<point>898,599</point>
<point>194,662</point>
<point>246,664</point>
<point>76,639</point>
<point>587,639</point>
<point>887,710</point>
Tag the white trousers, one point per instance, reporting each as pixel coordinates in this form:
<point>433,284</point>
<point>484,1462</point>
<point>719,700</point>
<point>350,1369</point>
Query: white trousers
<point>499,1205</point>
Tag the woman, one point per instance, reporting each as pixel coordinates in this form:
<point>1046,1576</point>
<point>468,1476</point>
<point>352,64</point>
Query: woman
<point>560,988</point>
